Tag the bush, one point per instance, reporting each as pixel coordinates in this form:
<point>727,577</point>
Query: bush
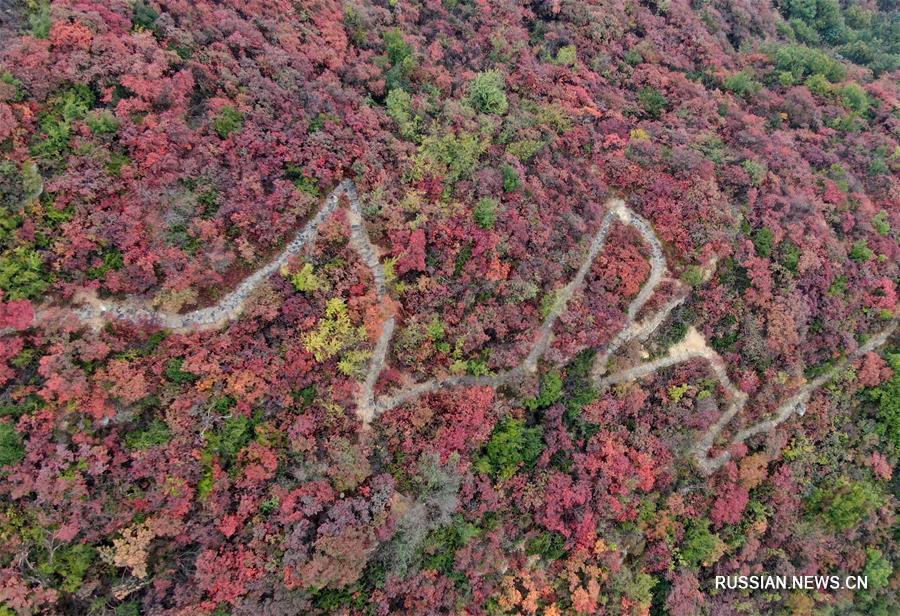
<point>449,155</point>
<point>143,16</point>
<point>548,545</point>
<point>860,252</point>
<point>510,447</point>
<point>549,394</point>
<point>227,442</point>
<point>799,61</point>
<point>566,56</point>
<point>486,213</point>
<point>39,19</point>
<point>487,93</point>
<point>175,374</point>
<point>228,121</point>
<point>881,224</point>
<point>854,98</point>
<point>56,123</point>
<point>887,395</point>
<point>399,107</point>
<point>157,433</point>
<point>11,448</point>
<point>817,84</point>
<point>756,170</point>
<point>742,84</point>
<point>845,503</point>
<point>22,274</point>
<point>336,335</point>
<point>653,102</point>
<point>699,544</point>
<point>878,569</point>
<point>306,281</point>
<point>511,180</point>
<point>790,255</point>
<point>763,240</point>
<point>401,57</point>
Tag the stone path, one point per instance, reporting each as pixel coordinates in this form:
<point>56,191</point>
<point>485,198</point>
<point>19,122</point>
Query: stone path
<point>694,346</point>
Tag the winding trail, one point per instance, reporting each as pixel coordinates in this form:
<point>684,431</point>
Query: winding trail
<point>94,311</point>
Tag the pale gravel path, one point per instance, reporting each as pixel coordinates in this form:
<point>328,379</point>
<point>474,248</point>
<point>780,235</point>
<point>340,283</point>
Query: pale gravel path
<point>694,346</point>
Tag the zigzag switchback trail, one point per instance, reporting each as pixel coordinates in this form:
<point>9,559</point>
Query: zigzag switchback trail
<point>370,405</point>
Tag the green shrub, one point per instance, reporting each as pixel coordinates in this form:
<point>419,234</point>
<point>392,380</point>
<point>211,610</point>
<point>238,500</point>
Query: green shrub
<point>230,438</point>
<point>854,98</point>
<point>844,503</point>
<point>143,16</point>
<point>878,569</point>
<point>39,18</point>
<point>548,545</point>
<point>441,545</point>
<point>56,123</point>
<point>881,224</point>
<point>486,213</point>
<point>102,122</point>
<point>487,93</point>
<point>817,84</point>
<point>742,83</point>
<point>401,57</point>
<point>524,149</point>
<point>860,252</point>
<point>511,181</point>
<point>11,448</point>
<point>453,157</point>
<point>510,447</point>
<point>399,108</point>
<point>156,433</point>
<point>174,373</point>
<point>799,61</point>
<point>887,395</point>
<point>566,56</point>
<point>790,255</point>
<point>71,564</point>
<point>763,240</point>
<point>549,393</point>
<point>756,170</point>
<point>306,281</point>
<point>699,543</point>
<point>228,121</point>
<point>336,336</point>
<point>693,275</point>
<point>22,274</point>
<point>653,102</point>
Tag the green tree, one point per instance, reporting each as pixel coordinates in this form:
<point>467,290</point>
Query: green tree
<point>486,213</point>
<point>742,83</point>
<point>653,102</point>
<point>699,544</point>
<point>511,180</point>
<point>11,448</point>
<point>763,240</point>
<point>860,252</point>
<point>399,107</point>
<point>228,121</point>
<point>511,446</point>
<point>487,92</point>
<point>887,395</point>
<point>844,503</point>
<point>335,336</point>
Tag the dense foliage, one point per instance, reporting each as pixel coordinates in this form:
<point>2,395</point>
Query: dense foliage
<point>165,149</point>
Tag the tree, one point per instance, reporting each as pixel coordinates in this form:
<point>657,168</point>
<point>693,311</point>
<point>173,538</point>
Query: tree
<point>487,93</point>
<point>11,448</point>
<point>511,446</point>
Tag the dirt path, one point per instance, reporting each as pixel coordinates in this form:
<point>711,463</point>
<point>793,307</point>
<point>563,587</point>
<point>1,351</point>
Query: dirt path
<point>95,312</point>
